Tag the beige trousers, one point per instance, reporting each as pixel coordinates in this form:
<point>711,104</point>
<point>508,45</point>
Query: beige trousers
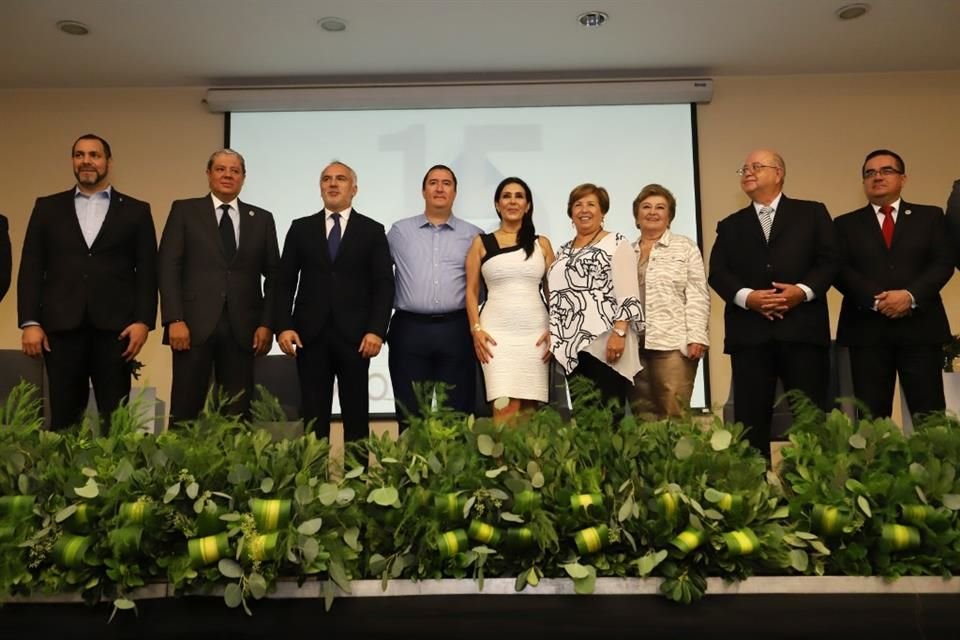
<point>664,386</point>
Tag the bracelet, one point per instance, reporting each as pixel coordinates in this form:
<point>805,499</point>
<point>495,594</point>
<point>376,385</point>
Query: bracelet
<point>475,328</point>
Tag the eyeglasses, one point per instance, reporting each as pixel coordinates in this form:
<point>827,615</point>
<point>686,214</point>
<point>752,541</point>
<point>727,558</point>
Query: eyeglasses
<point>882,171</point>
<point>754,168</point>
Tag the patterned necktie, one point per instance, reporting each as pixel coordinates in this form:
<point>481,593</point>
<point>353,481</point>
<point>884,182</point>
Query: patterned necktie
<point>887,227</point>
<point>333,240</point>
<point>227,236</point>
<point>766,221</point>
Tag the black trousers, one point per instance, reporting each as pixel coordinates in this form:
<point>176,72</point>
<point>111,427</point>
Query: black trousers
<point>333,356</point>
<point>221,356</point>
<point>76,359</point>
<point>800,366</point>
<point>425,348</point>
<point>611,385</point>
<point>875,368</point>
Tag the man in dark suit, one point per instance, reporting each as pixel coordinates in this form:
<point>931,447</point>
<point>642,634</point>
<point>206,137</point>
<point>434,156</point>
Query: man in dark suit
<point>895,258</point>
<point>216,315</point>
<point>6,263</point>
<point>87,289</point>
<point>772,263</point>
<point>343,303</point>
<point>953,220</point>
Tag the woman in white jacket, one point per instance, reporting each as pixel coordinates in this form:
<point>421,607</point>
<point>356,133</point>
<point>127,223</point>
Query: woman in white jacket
<point>676,304</point>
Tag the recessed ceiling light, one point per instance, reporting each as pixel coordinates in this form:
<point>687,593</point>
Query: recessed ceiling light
<point>73,28</point>
<point>592,19</point>
<point>851,11</point>
<point>333,25</point>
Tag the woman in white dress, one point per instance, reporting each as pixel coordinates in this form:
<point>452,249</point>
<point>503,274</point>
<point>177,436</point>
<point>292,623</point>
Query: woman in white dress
<point>595,312</point>
<point>511,335</point>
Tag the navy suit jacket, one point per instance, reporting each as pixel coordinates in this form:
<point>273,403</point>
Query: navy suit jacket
<point>801,249</point>
<point>354,293</point>
<point>918,260</point>
<point>63,283</point>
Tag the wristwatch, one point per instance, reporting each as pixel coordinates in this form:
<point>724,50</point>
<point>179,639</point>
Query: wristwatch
<point>620,332</point>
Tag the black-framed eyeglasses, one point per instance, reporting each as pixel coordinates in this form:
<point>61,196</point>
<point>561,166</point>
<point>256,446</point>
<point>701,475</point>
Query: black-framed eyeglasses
<point>882,171</point>
<point>754,168</point>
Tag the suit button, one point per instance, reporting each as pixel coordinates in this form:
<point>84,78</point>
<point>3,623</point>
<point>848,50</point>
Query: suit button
<point>89,253</point>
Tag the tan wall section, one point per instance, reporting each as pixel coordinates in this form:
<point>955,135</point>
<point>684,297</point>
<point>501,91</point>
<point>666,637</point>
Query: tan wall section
<point>823,126</point>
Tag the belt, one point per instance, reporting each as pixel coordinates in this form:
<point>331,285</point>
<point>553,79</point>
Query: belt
<point>459,314</point>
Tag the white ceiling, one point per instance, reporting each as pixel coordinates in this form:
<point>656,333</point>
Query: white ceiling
<point>234,42</point>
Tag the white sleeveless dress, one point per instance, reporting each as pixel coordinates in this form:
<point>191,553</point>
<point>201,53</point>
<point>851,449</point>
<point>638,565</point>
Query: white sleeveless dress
<point>516,317</point>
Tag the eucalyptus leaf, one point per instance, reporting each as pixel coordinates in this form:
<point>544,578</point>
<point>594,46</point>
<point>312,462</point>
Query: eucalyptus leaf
<point>497,449</point>
<point>89,472</point>
<point>339,575</point>
<point>352,538</point>
<point>649,562</point>
<point>89,490</point>
<point>493,473</point>
<point>951,501</point>
<point>820,547</point>
<point>712,495</point>
<point>498,494</point>
<point>65,513</point>
<point>327,493</point>
<point>171,493</point>
<point>780,512</point>
<point>485,444</point>
<point>192,490</point>
<point>23,484</point>
<point>384,496</point>
<point>345,496</point>
<point>121,474</point>
<point>356,472</point>
<point>124,604</point>
<point>230,568</point>
<point>377,564</point>
<point>857,441</point>
<point>864,505</point>
<point>585,586</point>
<point>720,440</point>
<point>537,480</point>
<point>468,505</point>
<point>713,514</point>
<point>506,516</point>
<point>626,509</point>
<point>311,549</point>
<point>684,448</point>
<point>310,527</point>
<point>257,585</point>
<point>533,468</point>
<point>799,560</point>
<point>303,495</point>
<point>576,570</point>
<point>266,485</point>
<point>232,595</point>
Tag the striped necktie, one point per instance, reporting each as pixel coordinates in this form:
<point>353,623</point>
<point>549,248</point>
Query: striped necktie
<point>766,221</point>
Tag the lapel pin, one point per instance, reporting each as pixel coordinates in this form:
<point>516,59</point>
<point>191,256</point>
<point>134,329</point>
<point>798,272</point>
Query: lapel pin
<point>250,213</point>
<point>907,212</point>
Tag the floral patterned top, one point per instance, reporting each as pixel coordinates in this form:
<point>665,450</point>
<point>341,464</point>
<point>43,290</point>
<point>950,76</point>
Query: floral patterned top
<point>591,288</point>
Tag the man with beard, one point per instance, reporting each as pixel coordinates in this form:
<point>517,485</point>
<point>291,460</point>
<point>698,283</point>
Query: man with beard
<point>429,335</point>
<point>772,263</point>
<point>87,289</point>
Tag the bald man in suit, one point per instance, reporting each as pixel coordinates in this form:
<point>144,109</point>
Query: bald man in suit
<point>217,317</point>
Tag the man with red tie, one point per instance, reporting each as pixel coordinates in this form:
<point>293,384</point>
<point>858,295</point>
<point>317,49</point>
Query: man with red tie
<point>895,258</point>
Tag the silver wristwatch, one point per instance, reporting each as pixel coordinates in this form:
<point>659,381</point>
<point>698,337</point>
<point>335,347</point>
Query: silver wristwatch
<point>620,332</point>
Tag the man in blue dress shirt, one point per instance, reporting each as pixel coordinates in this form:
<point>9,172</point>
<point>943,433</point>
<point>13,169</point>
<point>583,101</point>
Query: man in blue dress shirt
<point>429,335</point>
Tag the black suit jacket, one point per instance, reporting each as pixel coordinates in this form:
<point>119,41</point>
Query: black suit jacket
<point>802,249</point>
<point>196,280</point>
<point>5,260</point>
<point>953,220</point>
<point>62,283</point>
<point>353,292</point>
<point>918,260</point>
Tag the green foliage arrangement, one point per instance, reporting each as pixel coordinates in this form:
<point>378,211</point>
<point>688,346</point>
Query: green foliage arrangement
<point>222,506</point>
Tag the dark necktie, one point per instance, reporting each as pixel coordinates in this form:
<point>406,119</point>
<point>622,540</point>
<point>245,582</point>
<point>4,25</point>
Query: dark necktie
<point>887,227</point>
<point>333,240</point>
<point>227,237</point>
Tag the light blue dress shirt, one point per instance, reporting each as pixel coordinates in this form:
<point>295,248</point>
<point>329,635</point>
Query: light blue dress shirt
<point>430,262</point>
<point>91,211</point>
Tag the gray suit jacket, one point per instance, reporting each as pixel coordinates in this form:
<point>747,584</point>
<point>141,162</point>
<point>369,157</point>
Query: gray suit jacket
<point>196,280</point>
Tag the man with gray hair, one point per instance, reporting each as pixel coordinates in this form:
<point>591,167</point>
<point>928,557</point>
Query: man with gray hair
<point>337,264</point>
<point>217,317</point>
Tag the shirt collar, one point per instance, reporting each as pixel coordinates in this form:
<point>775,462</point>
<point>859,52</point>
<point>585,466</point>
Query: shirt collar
<point>775,204</point>
<point>451,222</point>
<point>663,240</point>
<point>106,193</point>
<point>234,204</point>
<point>895,205</point>
<point>343,214</point>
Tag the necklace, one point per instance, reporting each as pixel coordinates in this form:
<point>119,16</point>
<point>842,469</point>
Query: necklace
<point>589,242</point>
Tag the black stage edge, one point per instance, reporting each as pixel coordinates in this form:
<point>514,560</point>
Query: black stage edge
<point>771,617</point>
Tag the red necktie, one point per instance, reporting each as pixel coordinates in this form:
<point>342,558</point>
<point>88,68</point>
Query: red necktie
<point>887,227</point>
